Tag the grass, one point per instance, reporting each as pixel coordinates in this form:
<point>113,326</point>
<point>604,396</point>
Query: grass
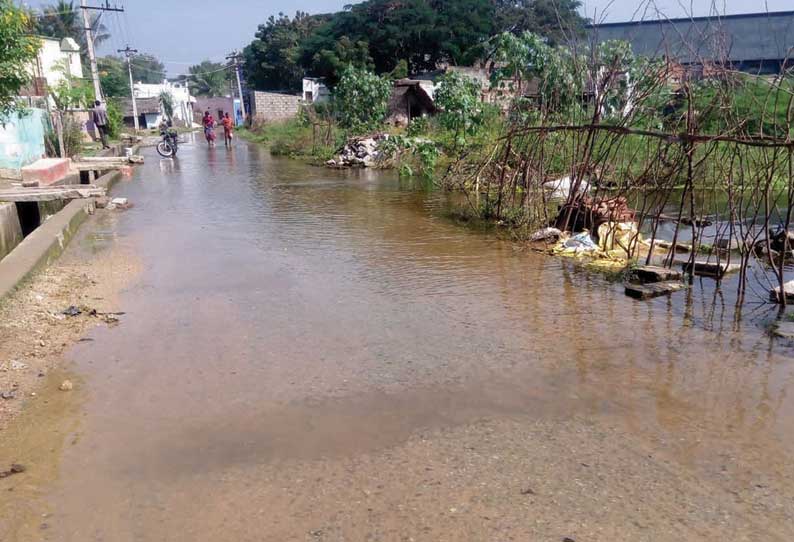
<point>294,138</point>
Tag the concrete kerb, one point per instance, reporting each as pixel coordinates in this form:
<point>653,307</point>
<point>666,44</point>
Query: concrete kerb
<point>47,242</point>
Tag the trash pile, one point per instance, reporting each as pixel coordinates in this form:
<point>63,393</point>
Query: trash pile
<point>589,213</point>
<point>360,152</point>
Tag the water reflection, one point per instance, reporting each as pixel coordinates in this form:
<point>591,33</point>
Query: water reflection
<point>278,295</point>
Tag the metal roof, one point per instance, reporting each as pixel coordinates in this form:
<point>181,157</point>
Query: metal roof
<point>736,38</point>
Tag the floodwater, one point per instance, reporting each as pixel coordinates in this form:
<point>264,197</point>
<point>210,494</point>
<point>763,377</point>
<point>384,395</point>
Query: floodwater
<point>321,355</point>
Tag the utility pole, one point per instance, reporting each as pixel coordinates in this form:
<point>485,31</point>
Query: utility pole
<point>90,41</point>
<point>128,53</point>
<point>235,58</point>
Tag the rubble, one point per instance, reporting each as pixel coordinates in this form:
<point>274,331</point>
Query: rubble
<point>586,213</point>
<point>360,152</point>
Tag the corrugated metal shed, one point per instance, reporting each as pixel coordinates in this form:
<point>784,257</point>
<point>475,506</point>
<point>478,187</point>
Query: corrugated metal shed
<point>747,40</point>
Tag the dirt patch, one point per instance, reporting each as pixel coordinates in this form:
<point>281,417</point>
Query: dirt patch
<point>54,310</point>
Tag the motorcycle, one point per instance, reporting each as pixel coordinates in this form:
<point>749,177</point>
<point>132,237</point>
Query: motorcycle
<point>169,146</point>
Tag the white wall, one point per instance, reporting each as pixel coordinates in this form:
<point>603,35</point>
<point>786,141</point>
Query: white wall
<point>319,92</point>
<point>183,101</point>
<point>51,56</point>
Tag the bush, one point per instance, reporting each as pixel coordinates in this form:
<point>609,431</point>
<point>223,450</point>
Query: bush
<point>115,119</point>
<point>361,99</point>
<point>458,98</point>
<point>72,139</point>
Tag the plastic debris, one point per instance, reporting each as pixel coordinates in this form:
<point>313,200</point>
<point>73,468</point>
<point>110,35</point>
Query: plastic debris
<point>549,235</point>
<point>581,242</point>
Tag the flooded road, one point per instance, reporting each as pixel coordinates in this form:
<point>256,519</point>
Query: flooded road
<point>320,355</point>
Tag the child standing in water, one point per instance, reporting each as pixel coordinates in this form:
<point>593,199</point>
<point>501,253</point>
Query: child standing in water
<point>228,125</point>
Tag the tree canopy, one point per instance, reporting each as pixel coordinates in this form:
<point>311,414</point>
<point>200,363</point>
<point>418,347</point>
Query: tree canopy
<point>147,68</point>
<point>272,60</point>
<point>383,34</point>
<point>113,76</point>
<point>64,20</point>
<point>209,79</point>
<point>18,49</point>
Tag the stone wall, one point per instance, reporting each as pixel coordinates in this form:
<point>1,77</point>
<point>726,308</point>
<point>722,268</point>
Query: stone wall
<point>273,105</point>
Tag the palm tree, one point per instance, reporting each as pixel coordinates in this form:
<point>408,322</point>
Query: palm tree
<point>210,79</point>
<point>64,20</point>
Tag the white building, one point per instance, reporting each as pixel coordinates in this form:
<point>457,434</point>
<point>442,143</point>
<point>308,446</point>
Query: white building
<point>180,94</point>
<point>314,90</point>
<point>58,59</point>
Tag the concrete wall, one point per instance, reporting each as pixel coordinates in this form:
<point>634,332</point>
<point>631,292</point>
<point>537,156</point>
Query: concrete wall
<point>21,141</point>
<point>10,229</point>
<point>273,105</point>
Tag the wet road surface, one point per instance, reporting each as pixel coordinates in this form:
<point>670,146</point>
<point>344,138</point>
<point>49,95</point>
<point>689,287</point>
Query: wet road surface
<point>320,355</point>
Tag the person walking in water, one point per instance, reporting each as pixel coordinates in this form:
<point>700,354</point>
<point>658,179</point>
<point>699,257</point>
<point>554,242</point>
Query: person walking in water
<point>209,128</point>
<point>228,126</point>
<point>99,116</point>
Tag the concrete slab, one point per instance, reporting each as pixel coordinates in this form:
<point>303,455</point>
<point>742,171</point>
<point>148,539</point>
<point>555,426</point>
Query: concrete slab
<point>784,330</point>
<point>655,273</point>
<point>46,171</point>
<point>10,229</point>
<point>654,289</point>
<point>709,269</point>
<point>788,291</point>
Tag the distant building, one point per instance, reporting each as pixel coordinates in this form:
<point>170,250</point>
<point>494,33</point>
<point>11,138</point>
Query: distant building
<point>180,94</point>
<point>314,90</point>
<point>150,112</point>
<point>217,106</point>
<point>409,100</point>
<point>57,60</point>
<point>753,42</point>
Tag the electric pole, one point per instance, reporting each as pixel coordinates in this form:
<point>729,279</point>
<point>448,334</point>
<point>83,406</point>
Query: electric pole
<point>128,53</point>
<point>235,58</point>
<point>90,41</point>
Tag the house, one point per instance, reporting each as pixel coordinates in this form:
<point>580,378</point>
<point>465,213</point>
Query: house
<point>315,90</point>
<point>180,97</point>
<point>409,100</point>
<point>753,42</point>
<point>22,135</point>
<point>217,106</point>
<point>150,112</point>
<point>57,60</point>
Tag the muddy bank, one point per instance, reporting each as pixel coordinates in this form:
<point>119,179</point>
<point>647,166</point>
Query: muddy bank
<point>35,325</point>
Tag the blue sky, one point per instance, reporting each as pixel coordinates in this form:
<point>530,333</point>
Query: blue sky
<point>184,32</point>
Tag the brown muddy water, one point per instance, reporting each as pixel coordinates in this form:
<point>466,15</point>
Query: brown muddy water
<point>319,355</point>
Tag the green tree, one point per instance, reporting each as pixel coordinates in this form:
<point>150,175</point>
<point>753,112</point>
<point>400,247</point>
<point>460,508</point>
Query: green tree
<point>209,78</point>
<point>458,99</point>
<point>361,99</point>
<point>272,60</point>
<point>330,63</point>
<point>64,20</point>
<point>17,50</point>
<point>147,69</point>
<point>71,92</point>
<point>113,76</point>
<point>555,20</point>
